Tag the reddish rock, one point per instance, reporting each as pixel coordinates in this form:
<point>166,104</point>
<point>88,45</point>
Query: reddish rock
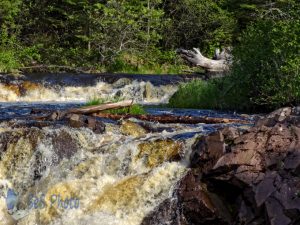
<point>191,203</point>
<point>256,174</point>
<point>207,150</point>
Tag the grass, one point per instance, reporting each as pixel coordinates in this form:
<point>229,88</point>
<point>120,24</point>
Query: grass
<point>218,93</point>
<point>135,109</point>
<point>197,94</point>
<point>95,101</point>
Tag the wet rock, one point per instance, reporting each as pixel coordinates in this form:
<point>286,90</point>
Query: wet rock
<point>199,206</point>
<point>78,121</point>
<point>34,123</point>
<point>12,87</point>
<point>148,91</point>
<point>75,121</point>
<point>207,150</point>
<point>156,152</point>
<point>230,133</point>
<point>19,153</point>
<point>64,145</point>
<point>164,214</point>
<point>133,129</point>
<point>121,83</point>
<point>28,86</point>
<point>58,115</point>
<point>279,115</point>
<point>191,203</point>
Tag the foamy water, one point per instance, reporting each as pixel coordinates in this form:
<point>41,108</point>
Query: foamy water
<point>141,92</point>
<point>109,173</point>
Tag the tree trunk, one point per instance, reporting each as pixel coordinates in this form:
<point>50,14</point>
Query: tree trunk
<point>221,61</point>
<point>172,119</point>
<point>97,108</point>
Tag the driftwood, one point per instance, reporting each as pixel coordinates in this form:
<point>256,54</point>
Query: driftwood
<point>171,119</point>
<point>97,108</point>
<point>221,61</point>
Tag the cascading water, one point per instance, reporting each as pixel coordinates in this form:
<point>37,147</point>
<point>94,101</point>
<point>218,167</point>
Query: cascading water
<point>139,88</point>
<point>111,175</point>
<point>142,92</point>
<point>63,175</point>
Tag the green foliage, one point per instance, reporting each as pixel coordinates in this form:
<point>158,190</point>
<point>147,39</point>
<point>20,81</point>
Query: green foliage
<point>95,101</point>
<point>8,61</point>
<point>151,62</point>
<point>90,32</point>
<point>196,94</point>
<point>265,74</point>
<point>198,23</point>
<point>267,64</point>
<point>8,11</point>
<point>133,110</point>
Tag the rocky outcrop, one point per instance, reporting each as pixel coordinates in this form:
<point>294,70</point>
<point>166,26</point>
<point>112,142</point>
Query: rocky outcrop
<point>241,177</point>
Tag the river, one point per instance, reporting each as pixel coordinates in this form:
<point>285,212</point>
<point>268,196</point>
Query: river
<point>63,175</point>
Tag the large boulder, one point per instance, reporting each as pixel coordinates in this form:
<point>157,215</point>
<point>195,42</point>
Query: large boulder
<point>191,203</point>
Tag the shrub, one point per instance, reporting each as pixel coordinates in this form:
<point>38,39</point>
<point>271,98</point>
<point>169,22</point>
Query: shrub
<point>266,72</point>
<point>196,94</point>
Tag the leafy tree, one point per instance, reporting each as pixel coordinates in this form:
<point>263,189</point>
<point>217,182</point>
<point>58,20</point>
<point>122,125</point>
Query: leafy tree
<point>197,23</point>
<point>8,34</point>
<point>97,30</point>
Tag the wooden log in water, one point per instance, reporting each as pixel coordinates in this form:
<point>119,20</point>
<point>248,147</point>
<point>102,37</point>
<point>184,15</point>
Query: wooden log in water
<point>97,108</point>
<point>171,118</point>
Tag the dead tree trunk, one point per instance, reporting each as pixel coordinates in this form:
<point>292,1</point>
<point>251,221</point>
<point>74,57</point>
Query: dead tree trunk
<point>171,118</point>
<point>221,61</point>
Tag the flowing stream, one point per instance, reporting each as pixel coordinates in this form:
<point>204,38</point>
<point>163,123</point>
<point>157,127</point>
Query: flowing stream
<point>63,175</point>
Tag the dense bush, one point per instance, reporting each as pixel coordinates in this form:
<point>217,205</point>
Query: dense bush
<point>266,71</point>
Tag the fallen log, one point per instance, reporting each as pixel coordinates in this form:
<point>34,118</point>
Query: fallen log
<point>221,61</point>
<point>97,108</point>
<point>171,119</point>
